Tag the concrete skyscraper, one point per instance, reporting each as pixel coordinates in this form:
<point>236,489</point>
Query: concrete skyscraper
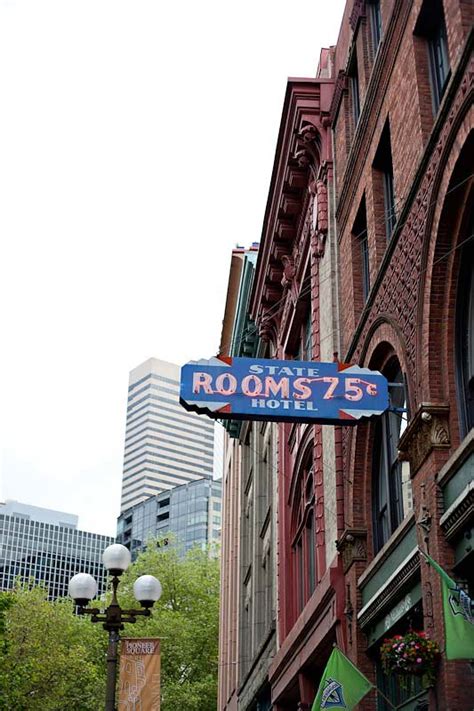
<point>165,446</point>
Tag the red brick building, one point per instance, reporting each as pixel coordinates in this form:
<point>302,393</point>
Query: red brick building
<point>367,255</point>
<point>294,303</point>
<point>403,121</point>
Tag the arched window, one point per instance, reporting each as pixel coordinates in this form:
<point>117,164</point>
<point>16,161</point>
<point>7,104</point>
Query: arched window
<point>391,484</point>
<point>465,332</point>
<point>304,534</point>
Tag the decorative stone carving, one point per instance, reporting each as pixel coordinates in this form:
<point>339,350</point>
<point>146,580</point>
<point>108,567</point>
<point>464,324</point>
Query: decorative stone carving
<point>428,430</point>
<point>352,546</point>
<point>424,522</point>
<point>289,270</point>
<point>358,11</point>
<point>428,606</point>
<point>308,133</point>
<point>319,221</point>
<point>303,158</point>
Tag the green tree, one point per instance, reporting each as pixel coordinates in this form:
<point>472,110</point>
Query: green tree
<point>186,619</point>
<point>53,660</point>
<point>50,659</point>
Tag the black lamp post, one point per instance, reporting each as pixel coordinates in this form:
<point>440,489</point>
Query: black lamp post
<point>83,587</point>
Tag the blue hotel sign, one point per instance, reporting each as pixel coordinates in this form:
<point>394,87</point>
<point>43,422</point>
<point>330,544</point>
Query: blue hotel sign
<point>282,390</point>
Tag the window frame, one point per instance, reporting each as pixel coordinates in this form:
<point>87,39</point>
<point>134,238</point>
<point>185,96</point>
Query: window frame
<point>387,469</point>
<point>438,62</point>
<point>303,539</point>
<point>383,165</point>
<point>465,333</point>
<point>376,27</point>
<point>431,26</point>
<point>354,88</point>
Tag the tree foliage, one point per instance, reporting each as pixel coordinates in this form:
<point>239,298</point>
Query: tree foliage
<point>186,619</point>
<point>52,660</point>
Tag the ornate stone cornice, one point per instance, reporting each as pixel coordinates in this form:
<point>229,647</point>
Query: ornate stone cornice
<point>352,546</point>
<point>339,88</point>
<point>358,11</point>
<point>304,143</point>
<point>428,430</point>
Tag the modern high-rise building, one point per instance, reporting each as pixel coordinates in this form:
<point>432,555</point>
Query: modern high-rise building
<point>165,446</point>
<point>191,513</point>
<point>46,546</point>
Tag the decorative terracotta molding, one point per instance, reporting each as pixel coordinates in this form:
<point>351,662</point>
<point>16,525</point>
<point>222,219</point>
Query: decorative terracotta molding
<point>339,88</point>
<point>358,11</point>
<point>390,593</point>
<point>428,430</point>
<point>322,194</point>
<point>289,270</point>
<point>303,158</point>
<point>460,514</point>
<point>266,332</point>
<point>352,546</point>
<point>308,133</point>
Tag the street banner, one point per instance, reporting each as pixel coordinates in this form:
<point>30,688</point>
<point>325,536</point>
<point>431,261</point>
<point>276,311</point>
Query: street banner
<point>342,684</point>
<point>282,390</point>
<point>458,611</point>
<point>139,675</point>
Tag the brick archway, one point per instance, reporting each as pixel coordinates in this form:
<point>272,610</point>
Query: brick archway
<point>441,266</point>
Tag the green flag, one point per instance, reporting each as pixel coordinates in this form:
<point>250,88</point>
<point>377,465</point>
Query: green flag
<point>342,685</point>
<point>458,611</point>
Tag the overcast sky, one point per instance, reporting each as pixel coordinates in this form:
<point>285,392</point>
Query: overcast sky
<point>136,147</point>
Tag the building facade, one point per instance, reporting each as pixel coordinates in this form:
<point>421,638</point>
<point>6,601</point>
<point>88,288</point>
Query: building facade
<point>403,120</point>
<point>247,642</point>
<point>190,514</point>
<point>294,304</point>
<point>366,257</point>
<point>164,445</point>
<point>45,546</point>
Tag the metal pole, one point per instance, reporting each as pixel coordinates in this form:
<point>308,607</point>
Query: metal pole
<point>111,670</point>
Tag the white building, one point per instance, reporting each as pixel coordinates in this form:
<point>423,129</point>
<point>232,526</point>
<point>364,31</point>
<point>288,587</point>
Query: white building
<point>165,446</point>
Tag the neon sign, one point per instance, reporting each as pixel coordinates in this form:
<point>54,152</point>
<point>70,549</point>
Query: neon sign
<point>282,390</point>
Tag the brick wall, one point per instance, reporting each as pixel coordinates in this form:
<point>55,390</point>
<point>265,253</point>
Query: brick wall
<point>410,311</point>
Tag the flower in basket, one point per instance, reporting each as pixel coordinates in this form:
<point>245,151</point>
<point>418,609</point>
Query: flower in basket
<point>411,654</point>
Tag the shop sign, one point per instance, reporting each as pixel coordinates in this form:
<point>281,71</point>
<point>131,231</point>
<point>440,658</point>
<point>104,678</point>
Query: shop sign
<point>282,390</point>
<point>398,611</point>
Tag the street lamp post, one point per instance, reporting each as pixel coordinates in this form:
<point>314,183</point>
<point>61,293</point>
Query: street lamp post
<point>83,588</point>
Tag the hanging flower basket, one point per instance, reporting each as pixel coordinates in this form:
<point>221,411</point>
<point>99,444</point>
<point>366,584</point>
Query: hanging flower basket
<point>412,654</point>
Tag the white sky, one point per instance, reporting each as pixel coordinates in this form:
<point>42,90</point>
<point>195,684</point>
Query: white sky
<point>136,147</point>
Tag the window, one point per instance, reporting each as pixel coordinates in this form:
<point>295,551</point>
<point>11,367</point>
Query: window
<point>465,332</point>
<point>304,536</point>
<point>391,483</point>
<point>353,74</point>
<point>383,180</point>
<point>432,27</point>
<point>360,236</point>
<point>375,19</point>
